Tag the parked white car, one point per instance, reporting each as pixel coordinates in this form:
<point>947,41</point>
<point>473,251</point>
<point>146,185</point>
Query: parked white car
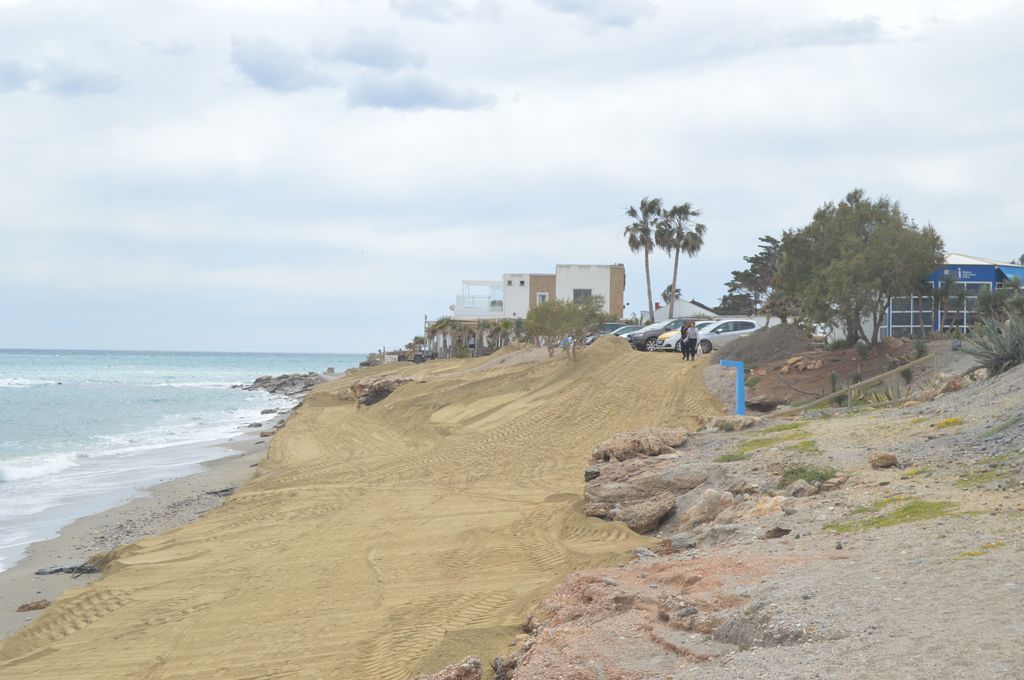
<point>721,332</point>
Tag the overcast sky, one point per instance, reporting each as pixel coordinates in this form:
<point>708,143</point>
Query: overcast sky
<point>318,175</point>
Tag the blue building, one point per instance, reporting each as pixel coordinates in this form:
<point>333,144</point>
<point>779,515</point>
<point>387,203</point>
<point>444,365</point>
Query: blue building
<point>914,315</point>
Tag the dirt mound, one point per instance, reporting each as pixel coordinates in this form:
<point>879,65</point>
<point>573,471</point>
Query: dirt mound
<point>767,345</point>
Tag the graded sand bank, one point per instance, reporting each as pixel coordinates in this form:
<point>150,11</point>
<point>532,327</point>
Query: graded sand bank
<point>379,541</point>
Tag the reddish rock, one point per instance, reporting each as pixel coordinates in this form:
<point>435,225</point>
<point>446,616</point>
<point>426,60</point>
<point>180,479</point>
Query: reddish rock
<point>34,606</point>
<point>883,460</point>
<point>640,444</point>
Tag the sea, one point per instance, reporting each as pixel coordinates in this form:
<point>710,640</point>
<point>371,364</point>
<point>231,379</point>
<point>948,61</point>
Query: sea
<point>84,431</point>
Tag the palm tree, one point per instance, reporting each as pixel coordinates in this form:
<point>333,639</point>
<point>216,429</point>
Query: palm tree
<point>675,235</point>
<point>505,328</point>
<point>441,327</point>
<point>640,236</point>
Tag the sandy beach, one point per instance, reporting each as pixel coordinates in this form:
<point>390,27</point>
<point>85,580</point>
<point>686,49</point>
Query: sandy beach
<point>380,541</point>
<point>162,508</point>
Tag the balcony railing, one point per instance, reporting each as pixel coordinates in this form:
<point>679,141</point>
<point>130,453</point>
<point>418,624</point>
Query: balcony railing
<point>479,303</point>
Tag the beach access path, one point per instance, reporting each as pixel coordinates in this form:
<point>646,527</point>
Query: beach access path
<point>380,541</point>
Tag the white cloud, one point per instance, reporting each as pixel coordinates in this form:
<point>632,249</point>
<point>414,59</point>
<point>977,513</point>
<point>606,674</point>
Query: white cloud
<point>274,67</point>
<point>414,93</point>
<point>373,51</point>
<point>371,155</point>
<point>620,13</point>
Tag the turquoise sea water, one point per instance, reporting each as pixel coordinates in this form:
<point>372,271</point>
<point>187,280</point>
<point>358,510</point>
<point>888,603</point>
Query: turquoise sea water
<point>84,430</point>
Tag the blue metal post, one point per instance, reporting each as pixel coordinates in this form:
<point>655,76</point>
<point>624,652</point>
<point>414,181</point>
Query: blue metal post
<point>741,398</point>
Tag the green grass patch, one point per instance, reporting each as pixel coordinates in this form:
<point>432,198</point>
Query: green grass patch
<point>732,457</point>
<point>752,381</point>
<point>917,421</point>
<point>1002,426</point>
<point>915,471</point>
<point>808,473</point>
<point>765,442</point>
<point>878,505</point>
<point>807,447</point>
<point>781,427</point>
<point>949,422</point>
<point>984,549</point>
<point>914,511</point>
<point>982,477</point>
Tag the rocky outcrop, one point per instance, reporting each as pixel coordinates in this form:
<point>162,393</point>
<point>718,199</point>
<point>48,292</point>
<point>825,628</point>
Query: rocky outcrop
<point>470,668</point>
<point>638,492</point>
<point>640,444</point>
<point>371,391</point>
<point>289,385</point>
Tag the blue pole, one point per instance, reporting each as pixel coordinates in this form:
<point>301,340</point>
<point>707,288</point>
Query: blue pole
<point>741,399</point>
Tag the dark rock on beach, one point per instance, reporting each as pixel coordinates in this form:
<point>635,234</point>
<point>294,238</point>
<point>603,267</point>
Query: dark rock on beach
<point>68,569</point>
<point>289,385</point>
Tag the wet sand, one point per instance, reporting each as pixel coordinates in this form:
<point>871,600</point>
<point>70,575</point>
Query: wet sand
<point>164,507</point>
<point>380,541</point>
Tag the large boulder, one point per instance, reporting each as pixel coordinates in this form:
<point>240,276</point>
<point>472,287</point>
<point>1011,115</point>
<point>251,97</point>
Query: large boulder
<point>710,505</point>
<point>645,515</point>
<point>639,492</point>
<point>640,444</point>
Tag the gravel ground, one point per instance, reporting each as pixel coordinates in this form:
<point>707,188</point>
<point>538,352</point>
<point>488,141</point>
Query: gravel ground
<point>934,597</point>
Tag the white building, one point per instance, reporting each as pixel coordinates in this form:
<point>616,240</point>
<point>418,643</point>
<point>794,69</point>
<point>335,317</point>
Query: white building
<point>574,282</point>
<point>516,294</point>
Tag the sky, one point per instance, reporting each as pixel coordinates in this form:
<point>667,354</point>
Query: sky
<point>320,175</point>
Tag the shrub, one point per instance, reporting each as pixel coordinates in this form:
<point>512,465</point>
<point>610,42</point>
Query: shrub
<point>920,348</point>
<point>863,350</point>
<point>998,346</point>
<point>732,457</point>
<point>808,473</point>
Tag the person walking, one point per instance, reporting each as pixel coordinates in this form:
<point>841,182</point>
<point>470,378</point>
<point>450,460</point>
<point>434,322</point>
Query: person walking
<point>692,335</point>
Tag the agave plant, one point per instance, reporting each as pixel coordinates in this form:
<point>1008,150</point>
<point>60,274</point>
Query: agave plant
<point>998,345</point>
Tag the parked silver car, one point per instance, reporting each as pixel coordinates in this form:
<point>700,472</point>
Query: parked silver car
<point>721,332</point>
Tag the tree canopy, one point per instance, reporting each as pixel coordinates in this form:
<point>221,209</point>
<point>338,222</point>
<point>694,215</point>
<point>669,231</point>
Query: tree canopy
<point>851,260</point>
<point>640,237</point>
<point>555,320</point>
<point>676,233</point>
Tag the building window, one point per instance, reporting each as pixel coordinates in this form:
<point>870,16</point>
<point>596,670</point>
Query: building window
<point>508,282</point>
<point>542,297</point>
<point>522,283</point>
<point>581,294</point>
